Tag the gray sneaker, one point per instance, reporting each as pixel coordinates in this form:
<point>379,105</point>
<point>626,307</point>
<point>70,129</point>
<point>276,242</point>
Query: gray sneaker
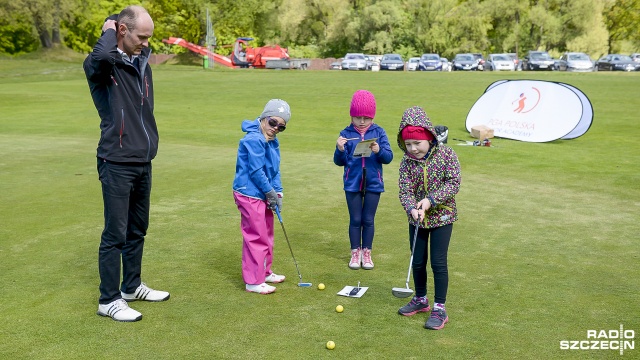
<point>415,306</point>
<point>437,319</point>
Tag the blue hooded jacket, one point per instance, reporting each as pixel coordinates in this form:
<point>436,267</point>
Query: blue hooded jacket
<point>352,177</point>
<point>258,163</point>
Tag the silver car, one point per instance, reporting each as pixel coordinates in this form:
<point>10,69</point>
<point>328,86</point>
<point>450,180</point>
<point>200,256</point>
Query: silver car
<point>354,62</point>
<point>575,61</point>
<point>412,64</point>
<point>498,62</point>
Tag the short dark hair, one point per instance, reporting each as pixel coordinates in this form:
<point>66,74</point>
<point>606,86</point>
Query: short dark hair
<point>129,16</point>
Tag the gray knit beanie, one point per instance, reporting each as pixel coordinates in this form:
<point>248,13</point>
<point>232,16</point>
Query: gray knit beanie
<point>277,107</point>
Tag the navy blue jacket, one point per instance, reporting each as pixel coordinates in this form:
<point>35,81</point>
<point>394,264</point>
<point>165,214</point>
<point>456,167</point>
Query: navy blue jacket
<point>352,177</point>
<point>123,96</point>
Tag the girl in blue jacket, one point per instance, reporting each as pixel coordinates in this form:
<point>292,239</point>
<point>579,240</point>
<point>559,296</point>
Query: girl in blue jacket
<point>257,191</point>
<point>362,176</point>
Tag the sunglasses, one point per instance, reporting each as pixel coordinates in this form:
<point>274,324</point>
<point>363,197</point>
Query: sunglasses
<point>274,124</point>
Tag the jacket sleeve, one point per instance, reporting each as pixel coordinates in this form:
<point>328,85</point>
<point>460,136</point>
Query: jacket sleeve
<point>98,65</point>
<point>385,155</point>
<point>277,181</point>
<point>406,187</point>
<point>340,157</point>
<point>451,180</point>
<point>256,150</point>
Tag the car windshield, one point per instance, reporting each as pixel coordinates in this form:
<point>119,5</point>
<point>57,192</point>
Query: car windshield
<point>354,57</point>
<point>392,57</point>
<point>622,58</point>
<point>540,56</point>
<point>501,58</point>
<point>578,57</point>
<point>430,57</point>
<point>414,60</point>
<point>464,58</point>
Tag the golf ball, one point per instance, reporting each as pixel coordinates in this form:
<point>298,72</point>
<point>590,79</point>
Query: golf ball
<point>321,286</point>
<point>331,345</point>
<point>339,308</point>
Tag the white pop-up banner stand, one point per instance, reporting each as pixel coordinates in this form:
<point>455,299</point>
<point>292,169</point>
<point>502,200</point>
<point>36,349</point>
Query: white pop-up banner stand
<point>532,110</point>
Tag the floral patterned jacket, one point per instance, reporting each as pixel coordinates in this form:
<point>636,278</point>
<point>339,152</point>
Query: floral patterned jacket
<point>436,176</point>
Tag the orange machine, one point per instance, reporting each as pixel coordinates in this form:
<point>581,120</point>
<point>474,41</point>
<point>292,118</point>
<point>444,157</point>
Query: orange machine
<point>242,56</point>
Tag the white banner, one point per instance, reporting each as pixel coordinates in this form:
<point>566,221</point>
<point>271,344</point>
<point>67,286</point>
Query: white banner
<point>532,110</point>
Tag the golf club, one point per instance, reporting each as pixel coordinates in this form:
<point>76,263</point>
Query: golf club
<point>301,284</point>
<point>406,292</point>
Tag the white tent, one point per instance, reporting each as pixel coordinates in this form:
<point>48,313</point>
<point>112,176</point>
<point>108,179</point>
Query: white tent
<point>532,110</point>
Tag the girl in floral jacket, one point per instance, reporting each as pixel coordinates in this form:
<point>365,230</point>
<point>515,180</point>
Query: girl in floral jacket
<point>429,180</point>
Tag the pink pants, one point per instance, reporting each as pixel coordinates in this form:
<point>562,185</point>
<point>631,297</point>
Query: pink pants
<point>256,223</point>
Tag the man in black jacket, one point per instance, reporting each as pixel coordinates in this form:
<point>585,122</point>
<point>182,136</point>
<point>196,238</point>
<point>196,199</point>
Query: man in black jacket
<point>121,86</point>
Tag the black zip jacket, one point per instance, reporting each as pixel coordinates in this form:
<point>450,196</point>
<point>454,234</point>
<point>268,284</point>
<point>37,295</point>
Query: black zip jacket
<point>123,96</point>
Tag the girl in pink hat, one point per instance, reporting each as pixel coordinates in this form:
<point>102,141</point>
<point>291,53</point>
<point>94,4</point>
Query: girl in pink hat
<point>429,179</point>
<point>363,182</point>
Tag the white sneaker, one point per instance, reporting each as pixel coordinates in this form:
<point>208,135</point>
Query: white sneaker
<point>143,292</point>
<point>261,288</point>
<point>367,263</point>
<point>356,258</point>
<point>274,278</point>
<point>119,310</point>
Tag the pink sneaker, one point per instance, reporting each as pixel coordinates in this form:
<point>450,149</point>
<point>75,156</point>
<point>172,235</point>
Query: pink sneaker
<point>367,263</point>
<point>356,259</point>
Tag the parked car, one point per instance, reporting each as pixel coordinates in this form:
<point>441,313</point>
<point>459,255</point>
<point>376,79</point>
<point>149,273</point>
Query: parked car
<point>446,65</point>
<point>412,64</point>
<point>464,62</point>
<point>617,62</point>
<point>574,61</point>
<point>392,62</point>
<point>354,61</point>
<point>537,60</point>
<point>635,57</point>
<point>430,62</point>
<point>372,61</point>
<point>516,61</point>
<point>498,62</point>
<point>479,59</point>
<point>336,65</point>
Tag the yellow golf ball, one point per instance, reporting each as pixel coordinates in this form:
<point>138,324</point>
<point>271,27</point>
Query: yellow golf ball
<point>339,308</point>
<point>331,345</point>
<point>321,286</point>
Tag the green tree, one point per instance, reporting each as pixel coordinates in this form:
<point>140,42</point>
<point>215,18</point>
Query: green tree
<point>621,19</point>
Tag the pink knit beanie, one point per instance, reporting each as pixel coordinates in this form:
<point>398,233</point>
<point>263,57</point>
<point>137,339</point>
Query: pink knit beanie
<point>363,103</point>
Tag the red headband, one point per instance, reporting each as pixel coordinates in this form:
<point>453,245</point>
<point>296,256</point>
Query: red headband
<point>416,133</point>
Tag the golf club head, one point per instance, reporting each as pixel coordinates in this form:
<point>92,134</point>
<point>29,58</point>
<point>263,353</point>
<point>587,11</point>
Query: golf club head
<point>401,292</point>
<point>304,284</point>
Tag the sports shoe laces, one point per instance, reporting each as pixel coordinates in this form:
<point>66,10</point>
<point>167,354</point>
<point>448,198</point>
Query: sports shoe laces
<point>354,256</point>
<point>367,256</point>
<point>438,314</point>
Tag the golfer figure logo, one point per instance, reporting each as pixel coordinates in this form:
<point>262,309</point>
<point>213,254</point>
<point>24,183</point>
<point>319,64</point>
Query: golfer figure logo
<point>522,103</point>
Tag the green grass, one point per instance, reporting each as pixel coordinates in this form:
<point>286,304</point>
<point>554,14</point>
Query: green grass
<point>546,247</point>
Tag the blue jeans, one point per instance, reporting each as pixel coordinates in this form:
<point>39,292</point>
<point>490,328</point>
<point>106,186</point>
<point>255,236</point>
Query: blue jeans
<point>439,247</point>
<point>126,190</point>
<point>362,211</point>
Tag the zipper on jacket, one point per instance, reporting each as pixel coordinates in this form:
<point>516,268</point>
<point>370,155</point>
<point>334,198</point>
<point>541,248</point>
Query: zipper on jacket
<point>142,117</point>
<point>121,126</point>
<point>114,80</point>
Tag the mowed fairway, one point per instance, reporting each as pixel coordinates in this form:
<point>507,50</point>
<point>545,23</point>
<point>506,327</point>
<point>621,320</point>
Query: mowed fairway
<point>546,247</point>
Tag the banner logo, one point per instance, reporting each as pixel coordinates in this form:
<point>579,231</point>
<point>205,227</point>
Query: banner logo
<point>620,340</point>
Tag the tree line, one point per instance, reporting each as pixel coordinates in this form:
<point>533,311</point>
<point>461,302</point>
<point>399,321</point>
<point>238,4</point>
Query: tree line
<point>331,28</point>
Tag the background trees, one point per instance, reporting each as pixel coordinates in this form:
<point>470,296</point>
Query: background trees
<point>331,28</point>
